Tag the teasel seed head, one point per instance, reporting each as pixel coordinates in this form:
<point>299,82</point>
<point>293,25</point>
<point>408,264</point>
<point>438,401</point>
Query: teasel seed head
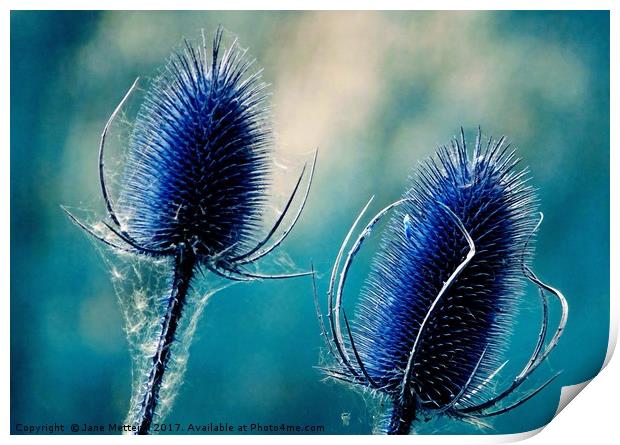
<point>439,303</point>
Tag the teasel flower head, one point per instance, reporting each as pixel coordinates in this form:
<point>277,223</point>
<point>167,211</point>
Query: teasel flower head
<point>196,182</point>
<point>199,156</point>
<point>439,304</point>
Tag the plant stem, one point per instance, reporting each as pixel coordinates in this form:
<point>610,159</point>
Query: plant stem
<point>403,415</point>
<point>183,273</point>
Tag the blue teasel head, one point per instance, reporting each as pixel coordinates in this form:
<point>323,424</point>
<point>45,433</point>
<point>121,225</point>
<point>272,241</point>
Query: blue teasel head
<point>439,303</point>
<point>197,169</point>
<point>194,187</point>
<point>198,161</point>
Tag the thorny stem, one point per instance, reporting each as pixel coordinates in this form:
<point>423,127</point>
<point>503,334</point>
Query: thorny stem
<point>185,261</point>
<point>402,416</point>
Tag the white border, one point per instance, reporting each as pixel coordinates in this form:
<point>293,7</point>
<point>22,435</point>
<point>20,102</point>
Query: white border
<point>593,418</point>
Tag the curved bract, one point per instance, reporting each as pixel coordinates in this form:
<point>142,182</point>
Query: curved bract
<point>438,305</point>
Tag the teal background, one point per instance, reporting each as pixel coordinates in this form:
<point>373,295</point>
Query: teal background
<point>377,92</point>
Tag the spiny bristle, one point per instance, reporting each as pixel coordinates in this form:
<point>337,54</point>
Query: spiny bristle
<point>197,168</point>
<point>421,248</point>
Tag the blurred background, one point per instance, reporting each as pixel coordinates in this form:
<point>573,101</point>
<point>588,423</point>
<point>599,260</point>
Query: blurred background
<point>376,92</point>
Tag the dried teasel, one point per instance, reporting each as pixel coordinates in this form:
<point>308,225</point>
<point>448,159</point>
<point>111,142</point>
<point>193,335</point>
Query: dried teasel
<point>195,184</point>
<point>439,303</point>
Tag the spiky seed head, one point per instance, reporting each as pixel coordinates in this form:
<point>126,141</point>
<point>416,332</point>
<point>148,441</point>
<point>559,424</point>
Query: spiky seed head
<point>197,167</point>
<point>421,247</point>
